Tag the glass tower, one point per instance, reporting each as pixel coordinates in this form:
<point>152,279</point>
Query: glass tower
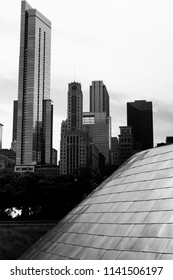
<point>33,88</point>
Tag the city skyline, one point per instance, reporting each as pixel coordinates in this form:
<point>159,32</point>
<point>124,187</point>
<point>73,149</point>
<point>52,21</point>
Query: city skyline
<point>127,45</point>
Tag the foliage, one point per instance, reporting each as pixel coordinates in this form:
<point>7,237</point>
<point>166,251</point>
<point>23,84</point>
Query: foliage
<point>45,197</point>
<point>15,240</point>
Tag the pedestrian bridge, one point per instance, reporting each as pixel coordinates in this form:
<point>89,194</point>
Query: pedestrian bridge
<point>129,216</point>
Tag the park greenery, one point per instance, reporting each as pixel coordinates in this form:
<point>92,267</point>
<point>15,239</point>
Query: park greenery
<point>15,240</point>
<point>43,197</point>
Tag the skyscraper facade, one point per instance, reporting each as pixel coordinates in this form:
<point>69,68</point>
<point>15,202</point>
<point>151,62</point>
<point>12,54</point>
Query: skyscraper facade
<point>98,127</point>
<point>34,106</point>
<point>99,98</point>
<point>1,127</point>
<point>115,152</point>
<point>47,131</point>
<point>14,135</point>
<point>125,143</point>
<point>74,144</point>
<point>98,121</point>
<point>75,107</point>
<point>140,118</point>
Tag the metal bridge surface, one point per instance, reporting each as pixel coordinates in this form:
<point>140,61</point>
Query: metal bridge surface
<point>129,216</point>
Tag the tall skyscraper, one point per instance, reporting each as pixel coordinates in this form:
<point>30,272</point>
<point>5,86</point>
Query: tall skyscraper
<point>74,152</point>
<point>34,144</point>
<point>98,122</point>
<point>14,132</point>
<point>98,127</point>
<point>75,107</point>
<point>14,135</point>
<point>140,118</point>
<point>1,127</point>
<point>99,98</point>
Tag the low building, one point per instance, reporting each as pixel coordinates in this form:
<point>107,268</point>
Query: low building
<point>9,153</point>
<point>6,163</point>
<point>47,170</point>
<point>169,140</point>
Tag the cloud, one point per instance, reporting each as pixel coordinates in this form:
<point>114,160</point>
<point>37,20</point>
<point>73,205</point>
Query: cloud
<point>8,89</point>
<point>163,111</point>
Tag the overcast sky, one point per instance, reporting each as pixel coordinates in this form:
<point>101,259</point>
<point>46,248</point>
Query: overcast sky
<point>126,43</point>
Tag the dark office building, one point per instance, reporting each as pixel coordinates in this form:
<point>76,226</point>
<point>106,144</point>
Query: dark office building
<point>169,140</point>
<point>140,118</point>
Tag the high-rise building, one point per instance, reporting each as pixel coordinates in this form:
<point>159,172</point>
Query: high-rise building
<point>98,127</point>
<point>34,127</point>
<point>115,152</point>
<point>75,107</point>
<point>74,152</point>
<point>98,120</point>
<point>125,143</point>
<point>14,135</point>
<point>99,98</point>
<point>47,131</point>
<point>1,128</point>
<point>140,118</point>
<point>14,132</point>
<point>54,156</point>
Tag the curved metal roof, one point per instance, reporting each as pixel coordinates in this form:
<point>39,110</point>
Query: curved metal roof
<point>129,216</point>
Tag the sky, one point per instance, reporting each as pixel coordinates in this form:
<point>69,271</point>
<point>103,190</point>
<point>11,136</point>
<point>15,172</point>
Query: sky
<point>127,44</point>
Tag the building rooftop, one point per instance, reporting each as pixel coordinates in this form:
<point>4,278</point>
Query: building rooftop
<point>129,216</point>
